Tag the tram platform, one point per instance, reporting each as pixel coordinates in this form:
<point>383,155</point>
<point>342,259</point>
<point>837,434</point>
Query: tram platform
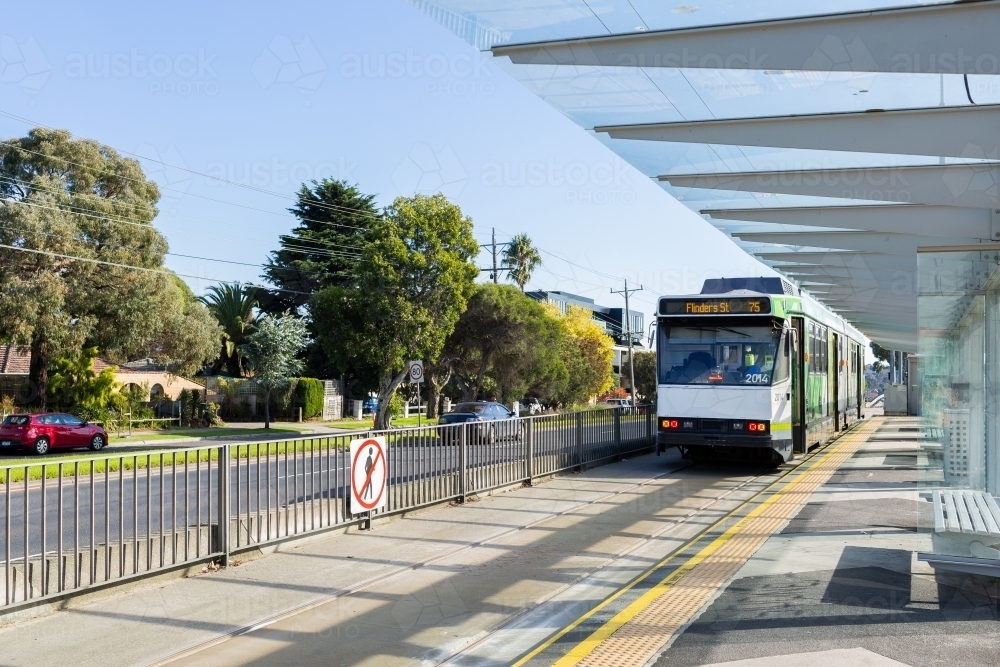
<point>647,561</point>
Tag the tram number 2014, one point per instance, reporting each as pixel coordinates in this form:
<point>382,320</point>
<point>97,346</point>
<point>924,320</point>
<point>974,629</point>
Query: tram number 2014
<point>756,378</point>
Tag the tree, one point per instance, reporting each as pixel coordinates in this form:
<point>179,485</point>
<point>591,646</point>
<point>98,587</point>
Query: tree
<point>75,217</point>
<point>644,364</point>
<point>271,352</point>
<point>508,337</point>
<point>416,275</point>
<point>522,257</point>
<point>324,248</point>
<point>233,306</point>
<point>189,337</point>
<point>587,351</point>
<point>881,355</point>
<point>438,375</point>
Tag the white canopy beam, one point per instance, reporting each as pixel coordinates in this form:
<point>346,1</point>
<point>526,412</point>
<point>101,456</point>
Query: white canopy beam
<point>943,221</point>
<point>968,185</point>
<point>892,244</point>
<point>942,38</point>
<point>966,131</point>
<point>792,260</point>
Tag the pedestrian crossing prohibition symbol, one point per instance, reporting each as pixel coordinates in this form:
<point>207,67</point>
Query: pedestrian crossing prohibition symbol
<point>369,474</point>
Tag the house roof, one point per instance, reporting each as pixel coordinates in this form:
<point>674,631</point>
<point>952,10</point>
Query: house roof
<point>14,360</point>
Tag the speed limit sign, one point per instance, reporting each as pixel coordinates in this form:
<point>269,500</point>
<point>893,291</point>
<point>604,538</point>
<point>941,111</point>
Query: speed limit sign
<point>416,372</point>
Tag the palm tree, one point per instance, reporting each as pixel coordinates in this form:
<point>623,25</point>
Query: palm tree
<point>233,306</point>
<point>521,257</point>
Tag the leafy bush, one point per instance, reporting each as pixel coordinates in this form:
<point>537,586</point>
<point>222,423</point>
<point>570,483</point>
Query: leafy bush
<point>309,392</point>
<point>74,385</point>
<point>396,405</point>
<point>7,405</point>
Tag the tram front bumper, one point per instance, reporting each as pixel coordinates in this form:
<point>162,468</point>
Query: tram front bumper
<point>665,440</point>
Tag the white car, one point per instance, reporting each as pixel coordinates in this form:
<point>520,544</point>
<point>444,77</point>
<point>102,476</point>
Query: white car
<point>624,403</point>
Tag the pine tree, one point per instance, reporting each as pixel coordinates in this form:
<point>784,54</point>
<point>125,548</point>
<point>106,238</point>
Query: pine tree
<point>324,249</point>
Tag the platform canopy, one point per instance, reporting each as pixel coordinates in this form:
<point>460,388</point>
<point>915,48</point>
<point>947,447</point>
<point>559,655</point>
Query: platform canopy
<point>832,146</point>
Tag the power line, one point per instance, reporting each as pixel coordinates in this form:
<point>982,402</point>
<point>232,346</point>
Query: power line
<point>332,207</point>
<point>86,211</point>
<point>141,268</point>
<point>104,218</point>
<point>87,194</point>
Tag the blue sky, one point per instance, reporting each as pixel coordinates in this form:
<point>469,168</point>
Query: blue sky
<point>373,92</point>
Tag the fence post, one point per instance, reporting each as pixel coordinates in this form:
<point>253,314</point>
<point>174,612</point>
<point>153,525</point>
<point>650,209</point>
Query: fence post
<point>651,429</point>
<point>530,449</point>
<point>618,432</point>
<point>463,441</point>
<point>224,519</point>
<point>579,440</point>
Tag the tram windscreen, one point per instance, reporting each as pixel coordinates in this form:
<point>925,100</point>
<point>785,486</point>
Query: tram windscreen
<point>717,355</point>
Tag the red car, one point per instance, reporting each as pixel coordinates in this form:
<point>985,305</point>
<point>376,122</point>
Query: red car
<point>54,430</point>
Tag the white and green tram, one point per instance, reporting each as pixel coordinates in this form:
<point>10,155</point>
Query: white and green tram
<point>752,369</point>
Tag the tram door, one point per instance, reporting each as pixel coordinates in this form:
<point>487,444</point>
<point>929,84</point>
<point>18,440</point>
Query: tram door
<point>834,376</point>
<point>798,346</point>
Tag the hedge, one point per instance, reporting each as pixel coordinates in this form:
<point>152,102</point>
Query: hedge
<point>309,392</point>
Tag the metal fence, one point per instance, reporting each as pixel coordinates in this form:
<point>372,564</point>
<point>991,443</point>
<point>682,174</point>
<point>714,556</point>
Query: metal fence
<point>80,523</point>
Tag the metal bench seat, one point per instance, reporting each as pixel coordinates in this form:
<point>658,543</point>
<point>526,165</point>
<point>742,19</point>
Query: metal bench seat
<point>965,511</point>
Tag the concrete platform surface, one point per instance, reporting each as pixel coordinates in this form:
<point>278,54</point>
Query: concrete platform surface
<point>842,577</point>
<point>852,657</point>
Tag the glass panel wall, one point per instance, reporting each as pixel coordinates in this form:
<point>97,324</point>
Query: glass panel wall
<point>959,312</point>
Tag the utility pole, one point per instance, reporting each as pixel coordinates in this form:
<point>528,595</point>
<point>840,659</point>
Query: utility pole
<point>628,332</point>
<point>495,268</point>
<point>494,247</point>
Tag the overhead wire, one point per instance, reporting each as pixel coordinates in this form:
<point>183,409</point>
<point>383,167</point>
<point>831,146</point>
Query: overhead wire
<point>141,268</point>
<point>325,205</point>
<point>304,250</point>
<point>86,194</point>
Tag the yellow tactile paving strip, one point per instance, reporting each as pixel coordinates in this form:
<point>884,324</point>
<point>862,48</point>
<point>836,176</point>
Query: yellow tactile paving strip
<point>635,634</point>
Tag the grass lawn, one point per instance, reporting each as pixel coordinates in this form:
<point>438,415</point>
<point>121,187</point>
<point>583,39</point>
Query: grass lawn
<point>177,433</point>
<point>368,422</point>
<point>156,436</point>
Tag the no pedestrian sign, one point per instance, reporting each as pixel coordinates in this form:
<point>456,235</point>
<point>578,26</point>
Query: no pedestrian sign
<point>369,474</point>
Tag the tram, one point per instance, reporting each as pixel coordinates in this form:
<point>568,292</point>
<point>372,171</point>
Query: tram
<point>751,369</point>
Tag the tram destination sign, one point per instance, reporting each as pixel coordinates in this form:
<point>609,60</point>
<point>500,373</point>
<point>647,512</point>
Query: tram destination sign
<point>699,306</point>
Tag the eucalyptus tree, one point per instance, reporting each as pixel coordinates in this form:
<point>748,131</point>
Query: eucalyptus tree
<point>80,261</point>
<point>414,279</point>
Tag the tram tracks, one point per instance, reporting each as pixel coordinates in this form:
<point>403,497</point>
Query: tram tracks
<point>454,653</point>
<point>454,658</point>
